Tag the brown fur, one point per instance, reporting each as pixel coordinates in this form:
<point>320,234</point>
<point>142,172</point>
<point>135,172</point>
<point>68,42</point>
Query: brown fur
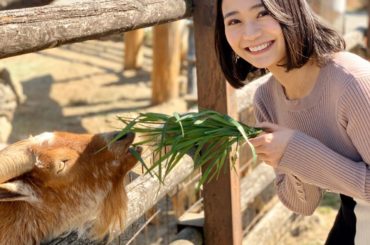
<point>72,186</point>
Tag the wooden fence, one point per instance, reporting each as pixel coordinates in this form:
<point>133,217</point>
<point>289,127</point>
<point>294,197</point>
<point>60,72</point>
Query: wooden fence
<point>227,200</point>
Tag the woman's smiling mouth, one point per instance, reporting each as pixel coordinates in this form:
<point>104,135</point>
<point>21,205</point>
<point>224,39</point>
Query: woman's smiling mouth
<point>259,48</point>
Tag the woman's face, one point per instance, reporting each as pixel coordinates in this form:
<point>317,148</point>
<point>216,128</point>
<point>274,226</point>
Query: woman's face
<point>253,34</point>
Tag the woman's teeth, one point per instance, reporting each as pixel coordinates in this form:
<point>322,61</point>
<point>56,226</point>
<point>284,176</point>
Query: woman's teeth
<point>260,47</point>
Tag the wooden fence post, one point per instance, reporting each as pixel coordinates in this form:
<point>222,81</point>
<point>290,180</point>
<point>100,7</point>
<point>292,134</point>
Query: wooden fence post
<point>133,52</point>
<point>166,62</point>
<point>222,196</point>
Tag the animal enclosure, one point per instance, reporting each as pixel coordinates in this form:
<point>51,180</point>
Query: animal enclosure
<point>52,26</point>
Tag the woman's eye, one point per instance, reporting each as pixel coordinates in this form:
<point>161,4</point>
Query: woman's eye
<point>263,13</point>
<point>233,22</point>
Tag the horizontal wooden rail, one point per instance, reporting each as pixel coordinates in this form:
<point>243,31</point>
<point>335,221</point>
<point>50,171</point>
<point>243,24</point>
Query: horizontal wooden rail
<point>144,192</point>
<point>189,236</point>
<point>32,29</point>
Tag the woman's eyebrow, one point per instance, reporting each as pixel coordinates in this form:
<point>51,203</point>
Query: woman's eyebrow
<point>256,6</point>
<point>230,14</point>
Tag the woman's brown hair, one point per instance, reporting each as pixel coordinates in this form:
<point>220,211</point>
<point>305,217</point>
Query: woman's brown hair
<point>305,37</point>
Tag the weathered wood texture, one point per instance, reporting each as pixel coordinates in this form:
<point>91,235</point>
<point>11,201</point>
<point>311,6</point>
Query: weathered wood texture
<point>188,236</point>
<point>245,98</point>
<point>16,4</point>
<point>166,62</point>
<point>143,193</point>
<point>133,52</point>
<point>141,199</point>
<point>29,30</point>
<point>221,196</point>
<point>272,227</point>
<point>257,189</point>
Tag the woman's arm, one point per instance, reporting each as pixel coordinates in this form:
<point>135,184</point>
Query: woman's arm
<point>294,193</point>
<point>319,165</point>
<point>306,163</point>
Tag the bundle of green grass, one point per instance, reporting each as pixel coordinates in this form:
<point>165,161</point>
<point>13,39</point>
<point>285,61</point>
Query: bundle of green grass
<point>207,136</point>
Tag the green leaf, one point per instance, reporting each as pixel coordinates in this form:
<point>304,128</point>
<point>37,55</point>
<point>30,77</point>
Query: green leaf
<point>184,132</point>
<point>179,121</point>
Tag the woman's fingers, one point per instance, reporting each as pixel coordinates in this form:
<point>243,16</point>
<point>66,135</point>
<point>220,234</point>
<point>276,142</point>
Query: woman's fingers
<point>257,141</point>
<point>261,139</point>
<point>271,146</point>
<point>267,126</point>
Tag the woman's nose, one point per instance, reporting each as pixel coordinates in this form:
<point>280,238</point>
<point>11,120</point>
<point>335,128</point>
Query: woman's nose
<point>251,31</point>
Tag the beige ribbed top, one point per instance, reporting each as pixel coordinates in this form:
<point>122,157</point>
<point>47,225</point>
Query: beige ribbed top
<point>330,149</point>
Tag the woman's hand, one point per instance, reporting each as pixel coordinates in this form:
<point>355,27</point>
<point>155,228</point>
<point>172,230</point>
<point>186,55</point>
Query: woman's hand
<point>270,145</point>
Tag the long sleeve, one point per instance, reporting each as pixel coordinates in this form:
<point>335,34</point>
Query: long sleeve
<point>313,162</point>
<point>294,193</point>
<point>330,149</point>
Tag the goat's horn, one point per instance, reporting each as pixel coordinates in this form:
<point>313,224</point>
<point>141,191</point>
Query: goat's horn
<point>15,160</point>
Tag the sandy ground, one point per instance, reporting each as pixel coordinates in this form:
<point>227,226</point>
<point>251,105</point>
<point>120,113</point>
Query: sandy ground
<point>80,88</point>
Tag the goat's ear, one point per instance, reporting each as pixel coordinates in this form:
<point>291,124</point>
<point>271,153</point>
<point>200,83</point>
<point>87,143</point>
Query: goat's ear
<point>17,191</point>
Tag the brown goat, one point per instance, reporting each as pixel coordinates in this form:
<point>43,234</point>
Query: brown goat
<point>57,182</point>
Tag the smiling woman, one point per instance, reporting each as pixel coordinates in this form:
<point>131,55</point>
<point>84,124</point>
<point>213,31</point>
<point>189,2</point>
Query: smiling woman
<point>314,107</point>
<point>253,33</point>
<point>291,23</point>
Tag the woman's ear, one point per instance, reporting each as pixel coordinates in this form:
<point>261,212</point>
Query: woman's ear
<point>17,191</point>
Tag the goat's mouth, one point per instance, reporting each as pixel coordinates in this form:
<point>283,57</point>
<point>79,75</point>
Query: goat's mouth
<point>136,148</point>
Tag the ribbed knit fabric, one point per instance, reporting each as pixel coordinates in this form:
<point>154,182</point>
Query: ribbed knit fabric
<point>330,149</point>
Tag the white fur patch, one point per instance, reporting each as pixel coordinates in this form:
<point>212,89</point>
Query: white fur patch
<point>38,163</point>
<point>46,137</point>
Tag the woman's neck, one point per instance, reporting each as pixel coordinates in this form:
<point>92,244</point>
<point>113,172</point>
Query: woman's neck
<point>297,83</point>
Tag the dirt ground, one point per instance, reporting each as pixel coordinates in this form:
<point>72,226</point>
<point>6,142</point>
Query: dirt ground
<point>79,87</point>
<point>82,88</point>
